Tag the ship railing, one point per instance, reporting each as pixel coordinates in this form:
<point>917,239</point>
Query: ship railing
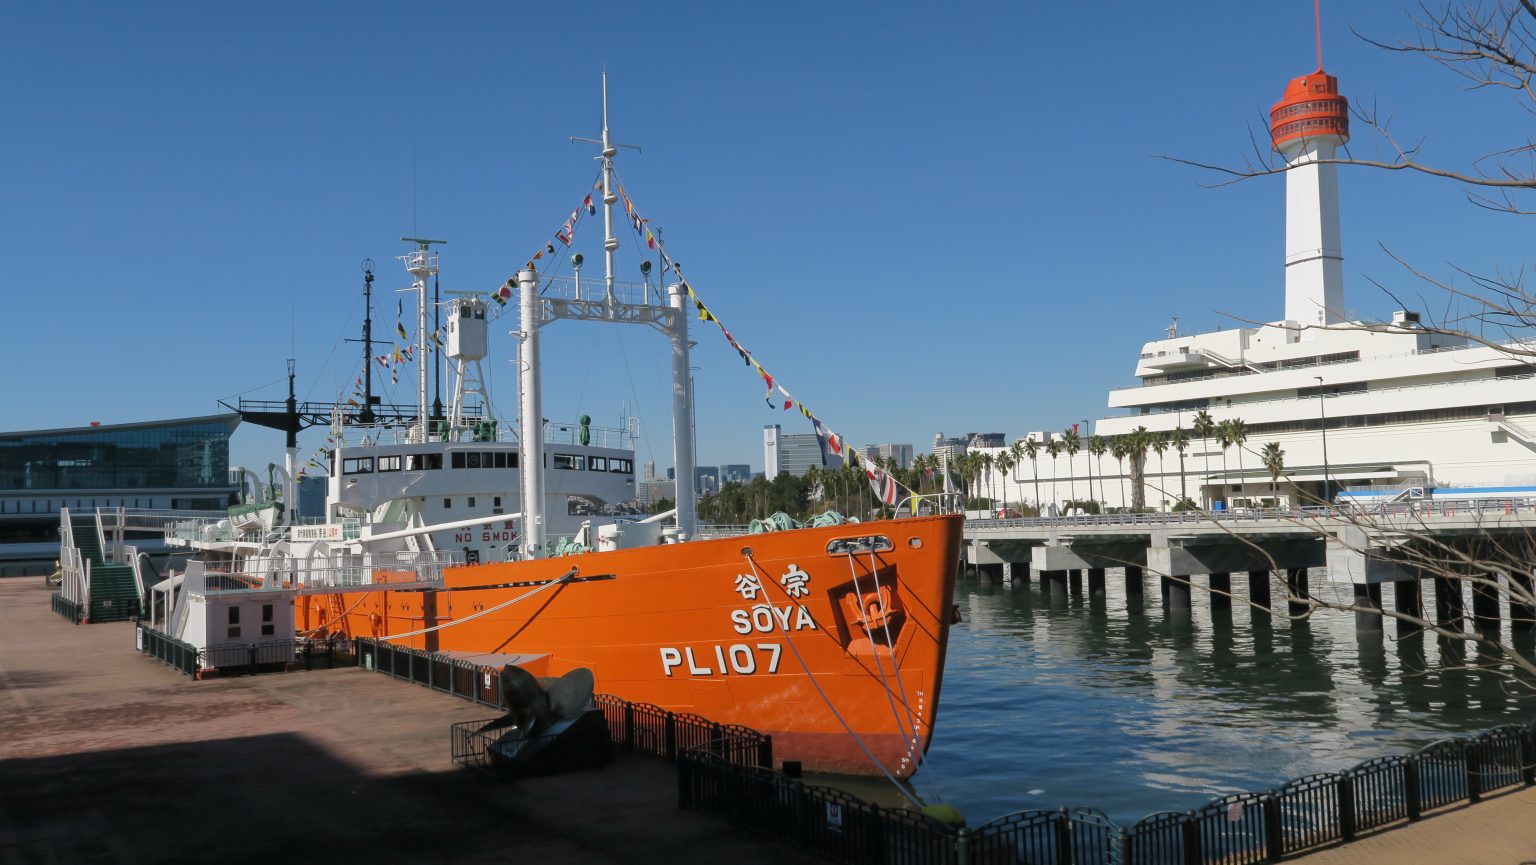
<point>1512,344</point>
<point>1410,508</point>
<point>264,574</point>
<point>615,438</point>
<point>589,289</point>
<point>720,530</point>
<point>1479,412</point>
<point>217,529</point>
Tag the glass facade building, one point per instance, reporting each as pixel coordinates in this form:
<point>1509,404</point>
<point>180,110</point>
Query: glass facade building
<point>187,454</point>
<point>180,464</point>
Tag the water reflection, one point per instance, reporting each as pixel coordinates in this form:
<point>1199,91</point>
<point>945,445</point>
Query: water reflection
<point>1132,705</point>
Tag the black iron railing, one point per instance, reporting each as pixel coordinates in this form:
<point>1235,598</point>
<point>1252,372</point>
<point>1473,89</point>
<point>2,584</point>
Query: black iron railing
<point>1302,815</point>
<point>166,649</point>
<point>71,610</point>
<point>460,678</point>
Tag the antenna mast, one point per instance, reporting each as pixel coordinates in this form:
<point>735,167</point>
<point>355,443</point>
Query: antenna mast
<point>421,264</point>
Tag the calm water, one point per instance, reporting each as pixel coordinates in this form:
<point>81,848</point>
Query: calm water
<point>1097,701</point>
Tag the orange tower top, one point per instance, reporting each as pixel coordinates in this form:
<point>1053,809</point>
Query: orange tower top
<point>1311,106</point>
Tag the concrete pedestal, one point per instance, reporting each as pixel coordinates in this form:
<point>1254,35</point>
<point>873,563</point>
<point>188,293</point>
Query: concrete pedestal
<point>1177,601</point>
<point>1075,581</point>
<point>1133,580</point>
<point>1054,582</point>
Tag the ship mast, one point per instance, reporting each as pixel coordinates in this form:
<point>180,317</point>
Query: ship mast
<point>537,310</point>
<point>421,264</point>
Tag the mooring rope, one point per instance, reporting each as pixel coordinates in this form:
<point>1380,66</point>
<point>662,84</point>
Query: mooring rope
<point>909,732</point>
<point>559,581</point>
<point>783,628</point>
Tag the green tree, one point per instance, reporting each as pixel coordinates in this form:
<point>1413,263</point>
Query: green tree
<point>1274,460</point>
<point>1159,443</point>
<point>1053,447</point>
<point>1032,450</point>
<point>1097,445</point>
<point>1120,448</point>
<point>1180,441</point>
<point>1136,446</point>
<point>1237,431</point>
<point>1205,428</point>
<point>1072,445</point>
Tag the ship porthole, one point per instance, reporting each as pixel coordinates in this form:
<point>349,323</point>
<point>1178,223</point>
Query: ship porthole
<point>915,543</point>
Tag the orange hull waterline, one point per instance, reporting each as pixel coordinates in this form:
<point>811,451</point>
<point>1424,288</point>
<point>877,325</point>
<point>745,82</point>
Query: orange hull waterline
<point>827,639</point>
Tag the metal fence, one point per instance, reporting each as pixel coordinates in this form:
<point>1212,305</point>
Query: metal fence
<point>165,648</point>
<point>236,659</point>
<point>1302,815</point>
<point>635,727</point>
<point>460,678</point>
<point>71,610</point>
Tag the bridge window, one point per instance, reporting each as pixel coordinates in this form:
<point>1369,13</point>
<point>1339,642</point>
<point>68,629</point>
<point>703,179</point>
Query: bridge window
<point>389,464</point>
<point>568,461</point>
<point>618,465</point>
<point>423,462</point>
<point>267,625</point>
<point>501,459</point>
<point>597,464</point>
<point>357,466</point>
<point>234,623</point>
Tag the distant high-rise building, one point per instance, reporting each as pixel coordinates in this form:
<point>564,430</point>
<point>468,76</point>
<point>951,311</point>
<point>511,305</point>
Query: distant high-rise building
<point>648,471</point>
<point>978,440</point>
<point>735,473</point>
<point>794,453</point>
<point>651,492</point>
<point>950,449</point>
<point>902,454</point>
<point>706,479</point>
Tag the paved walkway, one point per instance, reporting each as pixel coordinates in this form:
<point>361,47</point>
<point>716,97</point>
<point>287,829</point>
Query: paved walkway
<point>1499,831</point>
<point>108,756</point>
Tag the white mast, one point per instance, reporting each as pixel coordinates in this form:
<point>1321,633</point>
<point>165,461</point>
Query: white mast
<point>530,414</point>
<point>421,264</point>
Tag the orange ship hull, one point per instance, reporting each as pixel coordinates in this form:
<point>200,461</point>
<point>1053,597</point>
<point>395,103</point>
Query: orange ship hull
<point>804,635</point>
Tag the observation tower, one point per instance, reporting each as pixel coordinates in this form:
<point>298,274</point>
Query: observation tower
<point>1307,125</point>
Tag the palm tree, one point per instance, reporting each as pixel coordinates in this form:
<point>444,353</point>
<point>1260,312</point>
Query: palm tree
<point>1072,445</point>
<point>1274,460</point>
<point>1180,441</point>
<point>1160,444</point>
<point>1237,431</point>
<point>1003,460</point>
<point>1139,439</point>
<point>1053,447</point>
<point>1205,428</point>
<point>1119,448</point>
<point>1096,448</point>
<point>1031,449</point>
<point>1016,451</point>
<point>1224,438</point>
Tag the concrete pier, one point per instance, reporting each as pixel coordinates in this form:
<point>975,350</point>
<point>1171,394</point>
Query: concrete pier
<point>1449,609</point>
<point>1221,591</point>
<point>1522,613</point>
<point>1258,590</point>
<point>1485,602</point>
<point>1096,582</point>
<point>1368,598</point>
<point>1075,581</point>
<point>1133,578</point>
<point>1408,598</point>
<point>1296,587</point>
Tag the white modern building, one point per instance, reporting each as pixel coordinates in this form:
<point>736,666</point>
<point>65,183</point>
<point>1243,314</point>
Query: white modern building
<point>1382,404</point>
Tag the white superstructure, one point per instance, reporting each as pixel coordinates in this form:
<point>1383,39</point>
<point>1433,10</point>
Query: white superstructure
<point>1388,405</point>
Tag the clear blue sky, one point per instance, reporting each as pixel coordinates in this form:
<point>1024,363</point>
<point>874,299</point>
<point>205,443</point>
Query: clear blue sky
<point>920,217</point>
